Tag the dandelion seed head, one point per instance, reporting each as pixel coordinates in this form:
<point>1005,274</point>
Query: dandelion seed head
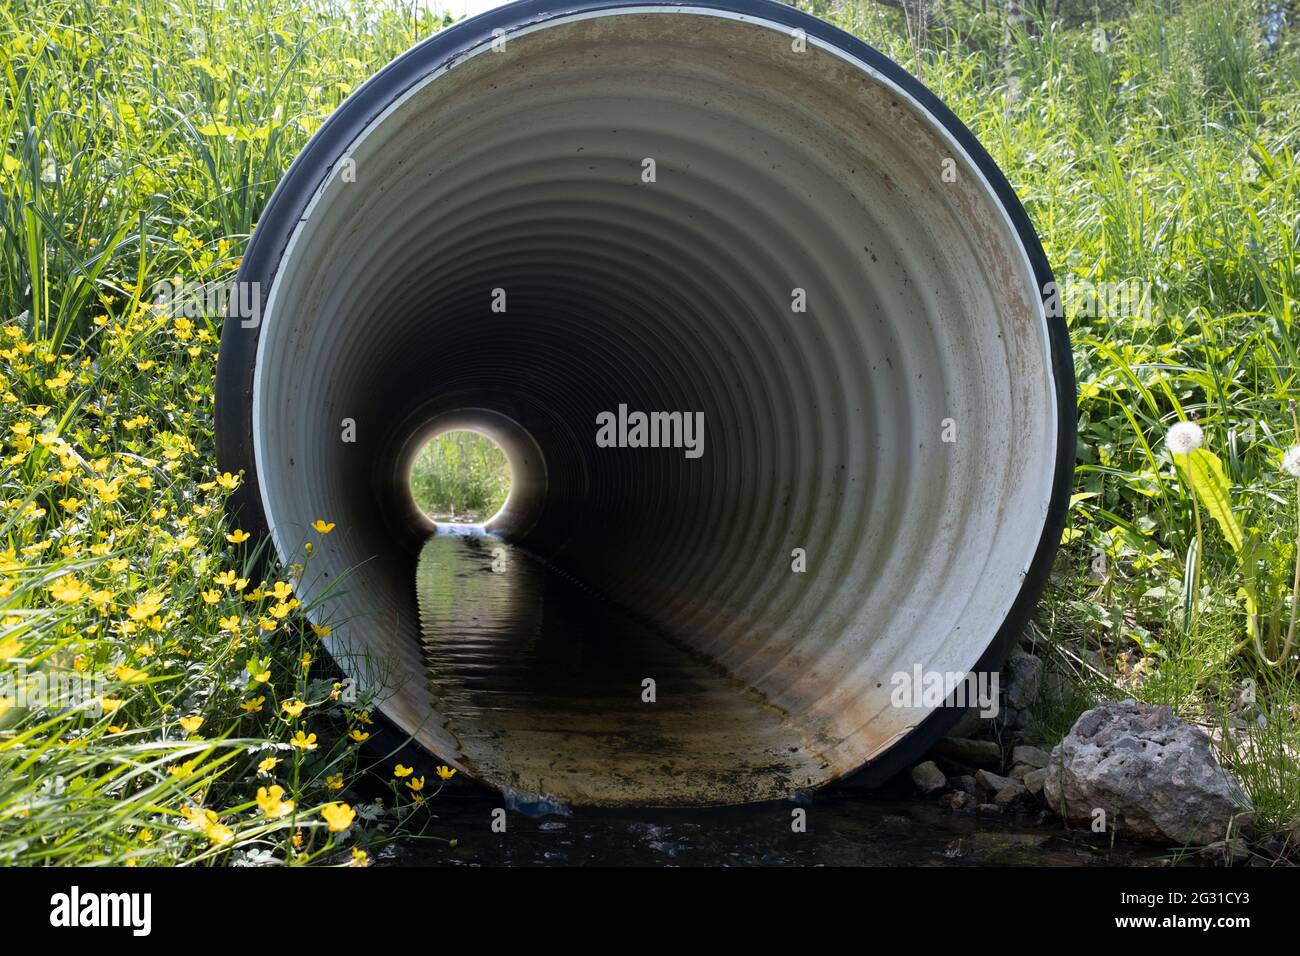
<point>1184,437</point>
<point>1291,461</point>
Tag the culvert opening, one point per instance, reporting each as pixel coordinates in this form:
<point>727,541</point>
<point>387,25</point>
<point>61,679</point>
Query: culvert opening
<point>460,477</point>
<point>728,211</point>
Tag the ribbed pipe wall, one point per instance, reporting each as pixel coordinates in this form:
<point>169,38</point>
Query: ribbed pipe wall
<point>464,169</point>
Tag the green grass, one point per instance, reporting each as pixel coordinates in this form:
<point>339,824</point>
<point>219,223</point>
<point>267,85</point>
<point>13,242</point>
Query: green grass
<point>140,142</point>
<point>460,476</point>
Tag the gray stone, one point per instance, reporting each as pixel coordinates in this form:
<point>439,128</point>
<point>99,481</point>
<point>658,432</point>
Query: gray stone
<point>969,724</point>
<point>928,778</point>
<point>977,753</point>
<point>1030,755</point>
<point>1019,770</point>
<point>1154,776</point>
<point>993,782</point>
<point>1025,675</point>
<point>1226,852</point>
<point>1033,781</point>
<point>1010,795</point>
<point>964,782</point>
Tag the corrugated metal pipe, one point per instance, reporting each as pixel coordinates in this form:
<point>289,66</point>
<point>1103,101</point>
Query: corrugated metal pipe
<point>558,212</point>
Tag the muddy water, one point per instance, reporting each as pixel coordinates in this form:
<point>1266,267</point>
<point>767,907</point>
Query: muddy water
<point>542,683</point>
<point>842,829</point>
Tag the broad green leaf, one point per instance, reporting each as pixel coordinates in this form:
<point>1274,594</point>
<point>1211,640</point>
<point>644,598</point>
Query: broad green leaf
<point>1208,479</point>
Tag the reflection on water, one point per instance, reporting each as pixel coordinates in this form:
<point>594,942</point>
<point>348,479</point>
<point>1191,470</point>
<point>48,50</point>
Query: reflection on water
<point>544,686</point>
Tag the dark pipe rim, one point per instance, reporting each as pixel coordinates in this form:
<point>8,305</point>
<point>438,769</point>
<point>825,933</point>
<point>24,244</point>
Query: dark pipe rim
<point>237,356</point>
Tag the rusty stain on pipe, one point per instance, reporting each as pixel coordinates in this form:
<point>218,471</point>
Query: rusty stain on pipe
<point>508,153</point>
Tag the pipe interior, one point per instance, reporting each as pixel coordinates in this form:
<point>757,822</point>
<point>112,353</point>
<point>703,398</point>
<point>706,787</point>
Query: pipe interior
<point>775,170</point>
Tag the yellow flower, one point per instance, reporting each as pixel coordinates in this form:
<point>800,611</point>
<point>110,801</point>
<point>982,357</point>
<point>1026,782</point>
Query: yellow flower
<point>228,481</point>
<point>129,674</point>
<point>9,648</point>
<point>305,661</point>
<point>110,704</point>
<point>304,741</point>
<point>321,630</point>
<point>293,707</point>
<point>191,724</point>
<point>59,381</point>
<point>99,598</point>
<point>445,772</point>
<point>322,526</point>
<point>253,705</point>
<point>297,839</point>
<point>230,623</point>
<point>268,764</point>
<point>228,579</point>
<point>116,728</point>
<point>334,781</point>
<point>269,799</point>
<point>281,591</point>
<point>359,858</point>
<point>416,784</point>
<point>145,609</point>
<point>359,735</point>
<point>399,771</point>
<point>338,815</point>
<point>211,597</point>
<point>363,716</point>
<point>68,589</point>
<point>238,536</point>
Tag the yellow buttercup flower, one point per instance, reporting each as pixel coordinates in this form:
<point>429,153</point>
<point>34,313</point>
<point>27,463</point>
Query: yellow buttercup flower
<point>334,781</point>
<point>304,741</point>
<point>416,784</point>
<point>359,857</point>
<point>268,764</point>
<point>129,674</point>
<point>68,589</point>
<point>399,771</point>
<point>238,536</point>
<point>230,623</point>
<point>282,591</point>
<point>270,799</point>
<point>253,705</point>
<point>211,597</point>
<point>228,481</point>
<point>146,608</point>
<point>322,630</point>
<point>322,526</point>
<point>358,735</point>
<point>293,707</point>
<point>339,816</point>
<point>191,724</point>
<point>444,772</point>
